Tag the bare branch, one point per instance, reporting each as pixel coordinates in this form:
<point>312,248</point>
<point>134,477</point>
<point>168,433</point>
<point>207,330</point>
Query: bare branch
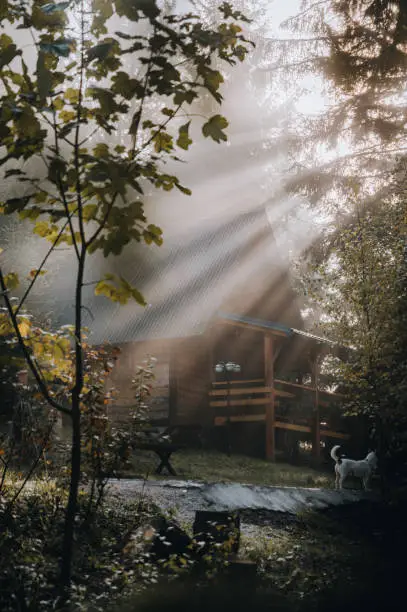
<point>41,384</point>
<point>42,264</point>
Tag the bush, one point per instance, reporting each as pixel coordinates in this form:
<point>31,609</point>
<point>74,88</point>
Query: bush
<point>30,545</point>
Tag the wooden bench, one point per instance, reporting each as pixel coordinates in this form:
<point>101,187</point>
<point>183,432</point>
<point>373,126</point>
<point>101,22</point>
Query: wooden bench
<point>159,441</point>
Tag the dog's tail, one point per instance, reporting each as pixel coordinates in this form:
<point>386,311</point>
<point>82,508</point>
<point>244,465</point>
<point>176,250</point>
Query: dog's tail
<point>335,454</point>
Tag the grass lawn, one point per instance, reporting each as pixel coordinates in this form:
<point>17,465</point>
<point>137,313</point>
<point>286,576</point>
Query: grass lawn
<point>213,466</point>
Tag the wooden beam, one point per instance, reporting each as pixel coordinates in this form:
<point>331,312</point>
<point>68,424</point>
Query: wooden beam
<point>251,391</point>
<point>240,382</point>
<point>307,388</point>
<point>327,433</point>
<point>257,401</point>
<point>253,418</point>
<point>240,418</point>
<point>292,426</point>
<point>270,407</point>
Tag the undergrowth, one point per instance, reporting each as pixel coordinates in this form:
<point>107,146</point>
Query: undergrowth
<point>30,543</point>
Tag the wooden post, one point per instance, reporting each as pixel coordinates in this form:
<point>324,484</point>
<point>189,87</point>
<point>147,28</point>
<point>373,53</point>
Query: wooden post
<point>316,442</point>
<point>269,381</point>
<point>173,383</point>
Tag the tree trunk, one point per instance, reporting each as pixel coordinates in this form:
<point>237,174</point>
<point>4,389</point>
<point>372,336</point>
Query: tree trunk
<point>71,509</point>
<point>72,506</point>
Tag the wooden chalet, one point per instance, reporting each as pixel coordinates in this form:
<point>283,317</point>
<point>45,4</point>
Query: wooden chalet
<point>253,320</point>
<point>223,295</point>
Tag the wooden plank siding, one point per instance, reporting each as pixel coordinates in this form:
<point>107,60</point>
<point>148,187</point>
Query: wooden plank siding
<point>191,372</point>
<point>132,355</point>
<point>251,391</point>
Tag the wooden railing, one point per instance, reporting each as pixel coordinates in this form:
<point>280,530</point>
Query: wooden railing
<point>236,394</point>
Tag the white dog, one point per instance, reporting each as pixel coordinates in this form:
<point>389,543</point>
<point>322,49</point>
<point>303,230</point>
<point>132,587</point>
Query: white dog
<point>348,467</point>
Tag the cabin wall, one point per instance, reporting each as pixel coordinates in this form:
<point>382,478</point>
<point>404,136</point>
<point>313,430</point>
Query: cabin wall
<point>241,346</point>
<point>132,355</point>
<point>191,376</point>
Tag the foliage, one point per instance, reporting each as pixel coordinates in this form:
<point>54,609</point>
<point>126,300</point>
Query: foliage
<point>353,52</point>
<point>364,304</point>
<point>31,535</point>
<point>142,385</point>
<point>64,173</point>
<point>10,363</point>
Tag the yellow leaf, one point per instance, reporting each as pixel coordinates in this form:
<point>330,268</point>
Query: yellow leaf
<point>67,116</point>
<point>35,272</point>
<point>72,95</point>
<point>11,280</point>
<point>24,328</point>
<point>38,348</point>
<point>58,103</point>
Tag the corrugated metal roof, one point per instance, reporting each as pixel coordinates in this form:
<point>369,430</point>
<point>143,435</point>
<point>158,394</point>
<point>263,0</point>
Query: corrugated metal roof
<point>300,332</point>
<point>272,325</point>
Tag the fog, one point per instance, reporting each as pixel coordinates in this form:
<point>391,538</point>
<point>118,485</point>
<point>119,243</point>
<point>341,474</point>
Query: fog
<point>238,184</point>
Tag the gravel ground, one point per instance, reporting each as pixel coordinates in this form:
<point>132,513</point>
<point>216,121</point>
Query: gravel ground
<point>276,503</point>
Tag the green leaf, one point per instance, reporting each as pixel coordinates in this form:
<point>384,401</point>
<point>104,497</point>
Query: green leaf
<point>138,297</point>
<point>100,51</point>
<point>229,13</point>
<point>214,128</point>
<point>56,170</point>
<point>163,142</point>
<point>135,9</point>
<point>124,36</point>
<point>31,213</point>
<point>60,48</point>
<point>153,233</point>
<point>101,150</point>
<point>114,243</point>
<point>121,293</point>
<point>212,78</point>
<point>183,189</point>
<point>184,140</point>
<point>106,99</point>
<point>126,87</point>
<point>16,204</point>
<point>51,7</point>
<point>27,124</point>
<point>7,54</point>
<point>11,280</point>
<point>185,96</point>
<point>44,77</point>
<point>89,211</point>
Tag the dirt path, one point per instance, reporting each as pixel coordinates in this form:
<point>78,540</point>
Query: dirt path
<point>185,497</point>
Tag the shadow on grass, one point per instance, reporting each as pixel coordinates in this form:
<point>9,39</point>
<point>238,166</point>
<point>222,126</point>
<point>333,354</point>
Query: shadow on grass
<point>212,466</point>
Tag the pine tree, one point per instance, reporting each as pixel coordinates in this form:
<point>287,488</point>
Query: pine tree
<point>358,47</point>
